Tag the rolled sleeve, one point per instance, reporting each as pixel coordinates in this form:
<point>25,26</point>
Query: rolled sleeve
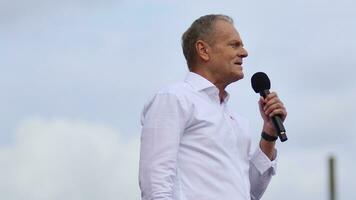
<point>263,163</point>
<point>261,171</point>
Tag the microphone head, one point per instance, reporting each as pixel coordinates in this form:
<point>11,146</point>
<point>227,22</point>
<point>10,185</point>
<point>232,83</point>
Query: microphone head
<point>260,82</point>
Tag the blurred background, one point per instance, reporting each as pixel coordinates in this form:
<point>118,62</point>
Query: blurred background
<point>74,76</point>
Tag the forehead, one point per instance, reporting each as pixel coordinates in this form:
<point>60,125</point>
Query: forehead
<point>225,31</point>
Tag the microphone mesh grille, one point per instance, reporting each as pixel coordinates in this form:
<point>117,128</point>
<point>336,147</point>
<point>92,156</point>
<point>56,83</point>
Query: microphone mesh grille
<point>260,82</point>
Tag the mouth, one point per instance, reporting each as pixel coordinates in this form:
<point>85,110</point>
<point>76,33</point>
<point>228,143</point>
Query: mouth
<point>238,63</point>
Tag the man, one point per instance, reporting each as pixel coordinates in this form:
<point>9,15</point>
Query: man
<point>192,146</point>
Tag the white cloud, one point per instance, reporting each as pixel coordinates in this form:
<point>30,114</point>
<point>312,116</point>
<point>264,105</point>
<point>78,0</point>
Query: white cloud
<point>68,159</point>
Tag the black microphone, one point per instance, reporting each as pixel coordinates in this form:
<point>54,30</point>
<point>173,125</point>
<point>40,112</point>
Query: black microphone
<point>261,84</point>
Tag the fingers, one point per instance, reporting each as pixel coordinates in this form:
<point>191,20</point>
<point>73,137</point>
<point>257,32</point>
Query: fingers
<point>260,105</point>
<point>272,106</point>
<point>270,96</point>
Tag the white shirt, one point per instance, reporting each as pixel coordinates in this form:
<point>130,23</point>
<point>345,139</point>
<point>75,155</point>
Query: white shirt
<point>194,148</point>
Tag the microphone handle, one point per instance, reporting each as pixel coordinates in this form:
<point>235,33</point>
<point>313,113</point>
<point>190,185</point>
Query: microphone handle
<point>277,121</point>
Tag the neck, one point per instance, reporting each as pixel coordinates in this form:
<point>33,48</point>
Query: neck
<point>222,95</point>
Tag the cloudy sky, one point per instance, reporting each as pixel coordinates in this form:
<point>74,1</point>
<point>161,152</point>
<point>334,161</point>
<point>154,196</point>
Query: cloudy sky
<point>74,76</point>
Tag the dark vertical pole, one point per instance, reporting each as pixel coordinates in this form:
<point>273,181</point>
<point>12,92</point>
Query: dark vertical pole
<point>332,178</point>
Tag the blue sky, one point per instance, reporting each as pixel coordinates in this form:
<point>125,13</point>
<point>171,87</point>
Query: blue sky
<point>74,76</point>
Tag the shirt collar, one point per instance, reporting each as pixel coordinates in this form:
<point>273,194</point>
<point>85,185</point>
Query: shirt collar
<point>199,83</point>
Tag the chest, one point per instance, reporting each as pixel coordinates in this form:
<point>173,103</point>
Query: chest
<point>212,124</point>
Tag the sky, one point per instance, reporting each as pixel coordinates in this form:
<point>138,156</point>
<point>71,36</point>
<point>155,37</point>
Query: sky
<point>74,76</point>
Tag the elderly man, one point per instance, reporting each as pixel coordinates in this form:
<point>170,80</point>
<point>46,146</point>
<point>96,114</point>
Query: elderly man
<point>192,146</point>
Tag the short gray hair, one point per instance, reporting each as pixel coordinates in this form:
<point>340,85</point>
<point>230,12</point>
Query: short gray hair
<point>201,29</point>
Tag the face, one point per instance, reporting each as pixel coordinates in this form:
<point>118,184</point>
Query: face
<point>226,54</point>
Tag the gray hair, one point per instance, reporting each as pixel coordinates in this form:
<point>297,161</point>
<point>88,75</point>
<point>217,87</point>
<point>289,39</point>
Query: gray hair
<point>201,29</point>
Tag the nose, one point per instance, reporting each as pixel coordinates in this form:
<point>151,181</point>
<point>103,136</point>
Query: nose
<point>243,53</point>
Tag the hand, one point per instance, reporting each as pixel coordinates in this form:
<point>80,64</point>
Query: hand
<point>271,106</point>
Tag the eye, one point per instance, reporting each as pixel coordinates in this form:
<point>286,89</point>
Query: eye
<point>235,45</point>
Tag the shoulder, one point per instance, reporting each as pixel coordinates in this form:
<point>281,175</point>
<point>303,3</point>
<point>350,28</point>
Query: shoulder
<point>178,89</point>
<point>176,93</point>
<point>169,101</point>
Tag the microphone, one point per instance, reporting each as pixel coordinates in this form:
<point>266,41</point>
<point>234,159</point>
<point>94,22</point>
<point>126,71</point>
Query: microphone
<point>261,84</point>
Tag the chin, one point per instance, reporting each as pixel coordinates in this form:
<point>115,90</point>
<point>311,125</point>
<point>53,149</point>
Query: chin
<point>239,76</point>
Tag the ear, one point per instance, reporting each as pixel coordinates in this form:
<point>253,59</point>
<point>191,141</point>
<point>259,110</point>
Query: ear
<point>202,49</point>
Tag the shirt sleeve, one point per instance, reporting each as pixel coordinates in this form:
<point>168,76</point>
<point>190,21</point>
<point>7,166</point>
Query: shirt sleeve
<point>261,171</point>
<point>163,122</point>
